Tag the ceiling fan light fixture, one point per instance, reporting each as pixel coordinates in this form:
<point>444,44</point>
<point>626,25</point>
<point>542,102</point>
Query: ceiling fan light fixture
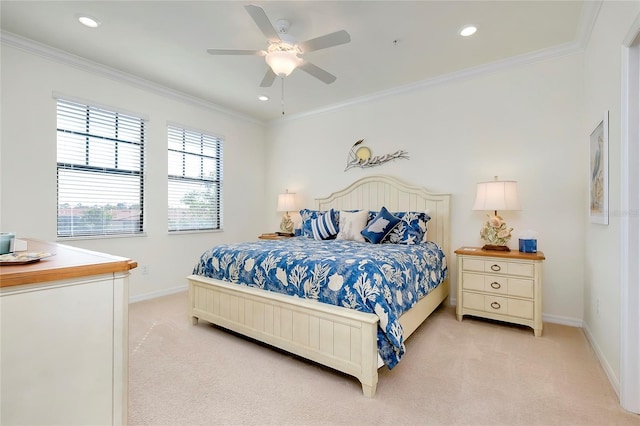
<point>282,62</point>
<point>282,53</point>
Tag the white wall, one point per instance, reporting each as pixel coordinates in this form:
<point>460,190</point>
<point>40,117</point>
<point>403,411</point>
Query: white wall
<point>522,123</point>
<point>28,165</point>
<point>602,82</point>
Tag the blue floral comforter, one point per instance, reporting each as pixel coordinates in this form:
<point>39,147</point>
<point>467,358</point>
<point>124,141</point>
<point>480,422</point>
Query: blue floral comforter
<point>385,279</point>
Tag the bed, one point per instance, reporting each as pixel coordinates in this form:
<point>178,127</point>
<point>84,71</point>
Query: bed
<point>344,339</point>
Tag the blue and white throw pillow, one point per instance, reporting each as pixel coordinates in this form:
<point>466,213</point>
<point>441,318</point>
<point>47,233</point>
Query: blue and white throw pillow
<point>380,226</point>
<point>307,215</point>
<point>412,228</point>
<point>324,226</point>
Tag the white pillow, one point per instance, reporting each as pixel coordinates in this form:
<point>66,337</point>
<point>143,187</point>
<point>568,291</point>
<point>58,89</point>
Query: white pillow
<point>351,223</point>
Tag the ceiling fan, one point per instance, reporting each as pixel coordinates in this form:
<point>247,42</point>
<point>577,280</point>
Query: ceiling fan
<point>282,53</point>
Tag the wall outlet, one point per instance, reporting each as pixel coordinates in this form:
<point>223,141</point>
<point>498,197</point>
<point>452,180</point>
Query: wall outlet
<point>145,270</point>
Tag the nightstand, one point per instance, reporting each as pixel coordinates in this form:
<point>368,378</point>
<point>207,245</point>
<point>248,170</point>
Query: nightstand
<point>500,285</point>
<point>274,236</point>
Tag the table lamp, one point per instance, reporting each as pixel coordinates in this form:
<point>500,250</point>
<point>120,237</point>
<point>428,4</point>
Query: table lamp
<point>496,195</point>
<point>286,203</point>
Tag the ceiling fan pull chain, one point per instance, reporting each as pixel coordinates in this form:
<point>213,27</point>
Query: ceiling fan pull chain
<point>282,94</point>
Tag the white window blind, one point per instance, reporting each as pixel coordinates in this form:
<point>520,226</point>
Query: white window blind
<point>195,180</point>
<point>100,157</point>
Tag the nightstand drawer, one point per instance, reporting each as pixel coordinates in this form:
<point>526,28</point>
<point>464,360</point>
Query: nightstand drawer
<point>498,305</point>
<point>498,267</point>
<point>486,283</point>
<point>496,284</point>
<point>511,307</point>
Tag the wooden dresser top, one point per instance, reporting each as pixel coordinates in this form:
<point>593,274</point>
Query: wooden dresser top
<point>67,262</point>
<point>513,254</point>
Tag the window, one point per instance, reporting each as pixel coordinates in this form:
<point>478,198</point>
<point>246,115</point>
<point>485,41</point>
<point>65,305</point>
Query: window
<point>195,180</point>
<point>100,171</point>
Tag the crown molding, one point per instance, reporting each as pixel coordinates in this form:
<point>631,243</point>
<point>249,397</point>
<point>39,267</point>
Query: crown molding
<point>567,49</point>
<point>587,22</point>
<point>588,19</point>
<point>60,56</point>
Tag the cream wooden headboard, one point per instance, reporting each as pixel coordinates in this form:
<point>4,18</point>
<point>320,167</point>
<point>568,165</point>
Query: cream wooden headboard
<point>373,192</point>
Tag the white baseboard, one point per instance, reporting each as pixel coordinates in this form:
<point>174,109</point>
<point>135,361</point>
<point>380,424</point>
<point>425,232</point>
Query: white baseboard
<point>159,293</point>
<point>557,319</point>
<point>603,360</point>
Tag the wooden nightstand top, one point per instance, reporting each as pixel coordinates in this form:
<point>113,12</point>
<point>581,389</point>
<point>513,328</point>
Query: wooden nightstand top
<point>273,236</point>
<point>513,254</point>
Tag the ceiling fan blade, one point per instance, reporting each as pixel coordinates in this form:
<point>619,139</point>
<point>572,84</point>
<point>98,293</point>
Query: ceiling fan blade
<point>269,78</point>
<point>262,21</point>
<point>322,42</point>
<point>317,72</point>
<point>235,52</point>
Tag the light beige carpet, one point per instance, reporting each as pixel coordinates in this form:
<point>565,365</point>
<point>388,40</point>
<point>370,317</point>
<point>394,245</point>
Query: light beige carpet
<point>473,372</point>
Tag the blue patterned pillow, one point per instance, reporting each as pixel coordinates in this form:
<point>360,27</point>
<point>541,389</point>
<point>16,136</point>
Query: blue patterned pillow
<point>324,226</point>
<point>307,215</point>
<point>412,228</point>
<point>380,226</point>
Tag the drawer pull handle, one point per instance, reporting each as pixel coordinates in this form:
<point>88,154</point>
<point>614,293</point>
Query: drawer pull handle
<point>495,285</point>
<point>495,268</point>
<point>495,305</point>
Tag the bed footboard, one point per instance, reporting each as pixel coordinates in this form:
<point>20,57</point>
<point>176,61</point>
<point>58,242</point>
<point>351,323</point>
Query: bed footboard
<point>340,338</point>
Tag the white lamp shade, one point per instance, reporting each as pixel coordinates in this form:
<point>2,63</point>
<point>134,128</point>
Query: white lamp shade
<point>497,195</point>
<point>286,202</point>
<point>282,62</point>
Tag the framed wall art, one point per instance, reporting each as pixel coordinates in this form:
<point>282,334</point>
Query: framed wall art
<point>599,172</point>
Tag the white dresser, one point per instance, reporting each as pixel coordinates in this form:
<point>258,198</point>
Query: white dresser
<point>64,335</point>
<point>500,285</point>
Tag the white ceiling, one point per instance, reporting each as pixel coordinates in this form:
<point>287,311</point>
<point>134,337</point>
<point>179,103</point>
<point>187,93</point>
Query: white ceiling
<point>393,43</point>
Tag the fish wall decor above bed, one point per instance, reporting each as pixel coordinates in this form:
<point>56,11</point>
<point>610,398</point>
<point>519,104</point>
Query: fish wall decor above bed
<point>360,156</point>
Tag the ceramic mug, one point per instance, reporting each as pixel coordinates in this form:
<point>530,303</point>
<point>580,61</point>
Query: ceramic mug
<point>6,242</point>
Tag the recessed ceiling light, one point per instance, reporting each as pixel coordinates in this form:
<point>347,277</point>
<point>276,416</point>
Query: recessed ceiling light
<point>88,21</point>
<point>468,30</point>
<point>263,97</point>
